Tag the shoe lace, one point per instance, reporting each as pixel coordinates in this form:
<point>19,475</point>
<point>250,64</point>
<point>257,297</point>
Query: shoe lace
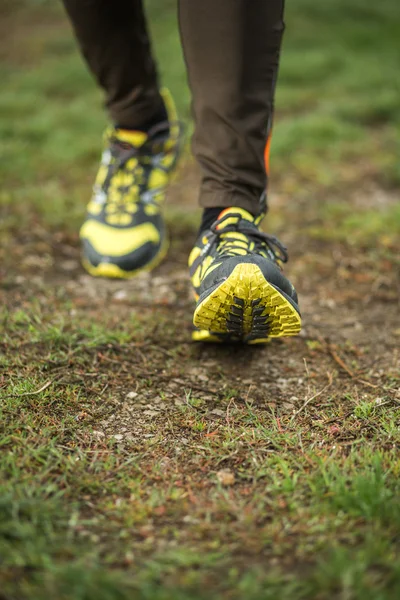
<point>123,152</point>
<point>250,239</point>
<point>147,156</point>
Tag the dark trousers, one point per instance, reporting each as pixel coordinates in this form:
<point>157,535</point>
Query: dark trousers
<point>231,50</point>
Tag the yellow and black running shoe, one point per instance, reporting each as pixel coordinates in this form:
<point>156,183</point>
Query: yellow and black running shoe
<point>242,294</point>
<point>124,231</point>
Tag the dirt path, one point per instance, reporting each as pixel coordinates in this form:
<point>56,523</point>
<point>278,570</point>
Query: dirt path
<point>349,301</point>
<point>184,448</point>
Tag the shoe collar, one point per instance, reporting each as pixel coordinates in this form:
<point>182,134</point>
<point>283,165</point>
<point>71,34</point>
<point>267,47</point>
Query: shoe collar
<point>232,216</point>
<point>128,136</point>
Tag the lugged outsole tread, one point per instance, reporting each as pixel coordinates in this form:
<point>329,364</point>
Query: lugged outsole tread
<point>247,308</point>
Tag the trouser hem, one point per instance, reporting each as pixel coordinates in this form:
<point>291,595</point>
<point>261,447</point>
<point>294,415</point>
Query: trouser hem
<point>133,112</point>
<point>226,200</point>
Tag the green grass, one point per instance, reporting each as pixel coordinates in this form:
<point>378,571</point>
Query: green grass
<point>85,517</point>
<point>366,227</point>
<point>313,513</point>
<point>338,116</point>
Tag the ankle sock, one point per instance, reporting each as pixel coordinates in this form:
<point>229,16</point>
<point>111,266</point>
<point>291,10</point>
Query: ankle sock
<point>160,117</point>
<point>209,216</point>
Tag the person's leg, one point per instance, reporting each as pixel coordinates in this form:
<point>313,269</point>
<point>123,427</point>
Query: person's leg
<point>113,38</point>
<point>231,49</point>
<point>232,53</point>
<point>124,230</point>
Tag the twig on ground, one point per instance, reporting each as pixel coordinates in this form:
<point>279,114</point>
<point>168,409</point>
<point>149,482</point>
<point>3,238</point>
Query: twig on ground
<point>103,390</point>
<point>328,385</point>
<point>349,372</point>
<point>44,387</point>
<point>372,385</point>
<point>340,361</point>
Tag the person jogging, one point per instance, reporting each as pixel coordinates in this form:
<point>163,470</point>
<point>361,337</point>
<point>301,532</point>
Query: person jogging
<point>231,50</point>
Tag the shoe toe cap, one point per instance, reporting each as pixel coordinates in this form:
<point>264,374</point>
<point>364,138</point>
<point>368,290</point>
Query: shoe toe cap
<point>118,252</point>
<point>270,270</point>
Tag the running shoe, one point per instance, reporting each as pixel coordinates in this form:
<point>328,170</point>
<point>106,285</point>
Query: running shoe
<point>124,231</point>
<point>241,292</point>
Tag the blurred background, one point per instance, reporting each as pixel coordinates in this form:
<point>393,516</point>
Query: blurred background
<point>337,126</point>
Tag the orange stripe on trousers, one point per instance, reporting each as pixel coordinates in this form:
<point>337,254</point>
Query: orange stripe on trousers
<point>266,153</point>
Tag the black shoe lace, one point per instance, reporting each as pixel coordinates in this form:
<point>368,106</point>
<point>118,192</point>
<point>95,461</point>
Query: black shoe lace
<point>122,152</point>
<point>147,154</point>
<point>229,246</point>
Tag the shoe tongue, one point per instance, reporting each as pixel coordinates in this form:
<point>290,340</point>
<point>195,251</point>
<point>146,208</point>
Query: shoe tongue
<point>237,215</point>
<point>133,138</point>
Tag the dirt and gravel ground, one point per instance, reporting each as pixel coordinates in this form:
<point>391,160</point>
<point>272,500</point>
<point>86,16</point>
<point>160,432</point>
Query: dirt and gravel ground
<point>224,440</point>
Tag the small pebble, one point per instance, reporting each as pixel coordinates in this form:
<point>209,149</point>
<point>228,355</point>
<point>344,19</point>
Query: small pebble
<point>226,477</point>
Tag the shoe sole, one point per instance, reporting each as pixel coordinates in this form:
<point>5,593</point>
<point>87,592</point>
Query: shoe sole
<point>112,271</point>
<point>246,308</point>
<point>202,335</point>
